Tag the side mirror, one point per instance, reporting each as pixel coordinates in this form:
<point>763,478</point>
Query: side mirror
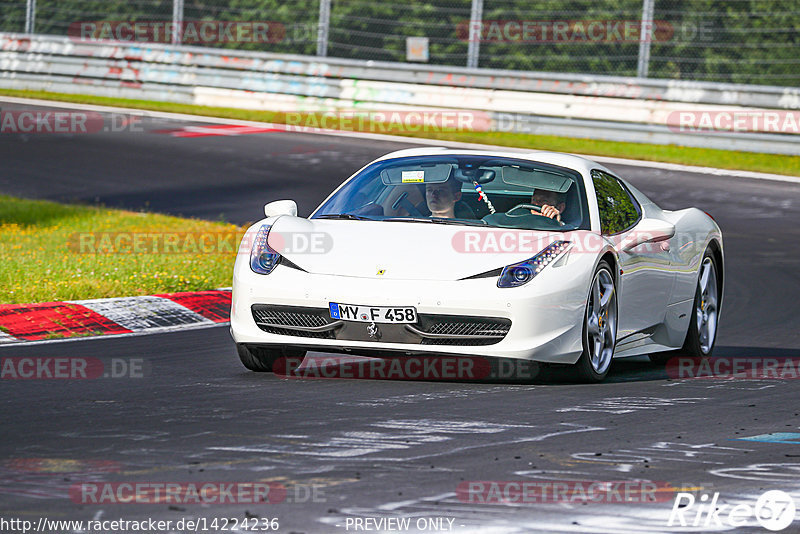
<point>647,231</point>
<point>281,207</point>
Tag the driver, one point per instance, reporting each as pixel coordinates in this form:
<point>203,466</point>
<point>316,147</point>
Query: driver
<point>552,203</point>
<point>442,197</point>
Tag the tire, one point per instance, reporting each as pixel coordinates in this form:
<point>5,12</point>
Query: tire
<point>261,360</point>
<point>702,332</point>
<point>599,326</point>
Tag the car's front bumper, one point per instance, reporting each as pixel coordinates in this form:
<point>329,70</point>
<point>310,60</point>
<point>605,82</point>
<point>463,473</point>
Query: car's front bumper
<point>546,315</point>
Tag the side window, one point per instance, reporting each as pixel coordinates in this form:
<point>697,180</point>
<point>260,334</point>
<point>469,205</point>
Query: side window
<point>618,210</point>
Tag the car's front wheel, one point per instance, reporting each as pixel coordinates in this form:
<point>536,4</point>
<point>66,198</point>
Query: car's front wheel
<point>599,326</point>
<point>262,359</point>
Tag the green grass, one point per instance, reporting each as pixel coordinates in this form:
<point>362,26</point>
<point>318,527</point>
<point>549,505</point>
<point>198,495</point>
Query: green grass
<point>724,159</point>
<point>54,252</point>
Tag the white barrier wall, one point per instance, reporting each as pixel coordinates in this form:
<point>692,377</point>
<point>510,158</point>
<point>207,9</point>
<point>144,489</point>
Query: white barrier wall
<point>613,109</point>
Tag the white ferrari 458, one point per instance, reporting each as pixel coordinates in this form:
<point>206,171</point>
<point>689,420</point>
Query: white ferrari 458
<point>539,256</point>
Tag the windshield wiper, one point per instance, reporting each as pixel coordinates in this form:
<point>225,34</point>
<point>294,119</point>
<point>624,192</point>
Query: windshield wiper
<point>436,220</point>
<point>348,216</point>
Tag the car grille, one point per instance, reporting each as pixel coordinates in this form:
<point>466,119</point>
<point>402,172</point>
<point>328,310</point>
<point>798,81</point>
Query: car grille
<point>486,330</point>
<point>271,319</point>
<point>431,329</point>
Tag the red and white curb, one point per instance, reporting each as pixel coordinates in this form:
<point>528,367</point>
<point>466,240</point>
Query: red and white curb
<point>218,129</point>
<point>113,316</point>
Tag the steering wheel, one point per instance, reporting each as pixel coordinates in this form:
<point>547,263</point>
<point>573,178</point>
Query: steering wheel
<point>529,207</point>
<point>402,201</point>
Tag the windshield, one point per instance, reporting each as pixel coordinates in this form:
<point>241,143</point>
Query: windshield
<point>467,190</point>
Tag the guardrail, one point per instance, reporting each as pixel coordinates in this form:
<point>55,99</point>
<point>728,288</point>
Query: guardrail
<point>624,109</point>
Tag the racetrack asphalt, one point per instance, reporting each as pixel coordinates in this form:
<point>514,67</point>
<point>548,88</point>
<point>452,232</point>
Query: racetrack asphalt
<point>357,448</point>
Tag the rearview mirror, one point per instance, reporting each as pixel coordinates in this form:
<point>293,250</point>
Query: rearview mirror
<point>281,207</point>
<point>647,231</point>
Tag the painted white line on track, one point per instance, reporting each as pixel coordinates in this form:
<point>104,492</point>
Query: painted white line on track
<point>400,139</point>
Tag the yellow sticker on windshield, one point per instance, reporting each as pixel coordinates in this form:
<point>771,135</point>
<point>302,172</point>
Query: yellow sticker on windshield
<point>412,177</point>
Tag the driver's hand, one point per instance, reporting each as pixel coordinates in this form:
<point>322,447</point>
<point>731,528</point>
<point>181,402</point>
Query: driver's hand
<point>550,211</point>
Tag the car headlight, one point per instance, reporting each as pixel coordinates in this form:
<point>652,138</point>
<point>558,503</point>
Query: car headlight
<point>523,272</point>
<point>262,258</point>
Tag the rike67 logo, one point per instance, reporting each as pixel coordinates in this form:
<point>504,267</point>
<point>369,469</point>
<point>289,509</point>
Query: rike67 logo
<point>774,510</point>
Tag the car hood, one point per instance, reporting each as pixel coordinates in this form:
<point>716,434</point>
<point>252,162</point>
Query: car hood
<point>401,250</point>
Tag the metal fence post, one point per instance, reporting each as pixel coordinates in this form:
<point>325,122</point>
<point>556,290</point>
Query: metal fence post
<point>177,21</point>
<point>30,16</point>
<point>645,36</point>
<point>322,29</point>
<point>475,23</point>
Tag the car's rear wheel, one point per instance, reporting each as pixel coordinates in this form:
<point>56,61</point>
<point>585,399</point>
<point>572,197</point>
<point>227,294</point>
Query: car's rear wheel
<point>703,329</point>
<point>599,326</point>
<point>262,359</point>
<point>702,332</point>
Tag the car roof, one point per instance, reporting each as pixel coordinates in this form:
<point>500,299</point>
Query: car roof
<point>570,161</point>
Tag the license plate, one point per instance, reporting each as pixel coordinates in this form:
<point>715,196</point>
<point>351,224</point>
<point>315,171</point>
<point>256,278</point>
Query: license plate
<point>373,314</point>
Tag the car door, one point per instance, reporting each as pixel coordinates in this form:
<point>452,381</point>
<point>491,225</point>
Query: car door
<point>646,279</point>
